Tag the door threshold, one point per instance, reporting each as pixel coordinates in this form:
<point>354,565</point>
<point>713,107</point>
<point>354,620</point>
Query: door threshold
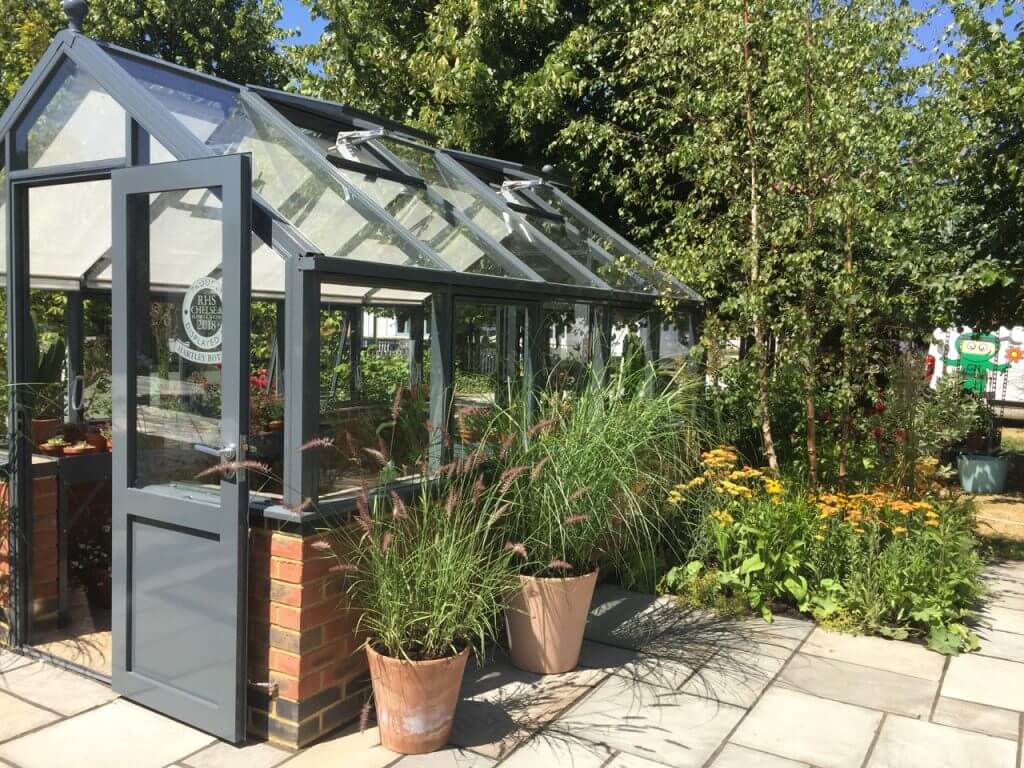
<point>57,661</point>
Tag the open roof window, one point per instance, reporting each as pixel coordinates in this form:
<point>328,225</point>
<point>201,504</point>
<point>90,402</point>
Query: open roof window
<point>73,120</point>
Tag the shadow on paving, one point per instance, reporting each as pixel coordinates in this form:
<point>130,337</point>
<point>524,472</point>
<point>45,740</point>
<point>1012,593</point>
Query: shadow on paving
<point>649,653</point>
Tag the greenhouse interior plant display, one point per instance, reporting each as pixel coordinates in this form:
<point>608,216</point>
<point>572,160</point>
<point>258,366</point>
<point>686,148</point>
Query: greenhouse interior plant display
<point>586,482</point>
<point>429,579</point>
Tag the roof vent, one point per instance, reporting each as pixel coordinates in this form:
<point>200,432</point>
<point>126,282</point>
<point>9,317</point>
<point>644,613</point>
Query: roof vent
<point>347,141</point>
<point>508,186</point>
<point>76,11</point>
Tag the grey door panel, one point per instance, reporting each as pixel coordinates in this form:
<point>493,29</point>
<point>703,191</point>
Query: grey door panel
<point>181,235</point>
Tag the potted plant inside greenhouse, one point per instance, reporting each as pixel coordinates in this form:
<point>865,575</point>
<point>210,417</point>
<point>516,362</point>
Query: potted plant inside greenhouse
<point>585,483</point>
<point>429,580</point>
<point>45,391</point>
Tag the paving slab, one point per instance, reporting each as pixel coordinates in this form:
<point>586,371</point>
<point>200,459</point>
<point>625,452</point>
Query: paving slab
<point>1002,645</point>
<point>9,661</point>
<point>557,749</point>
<point>116,735</point>
<point>985,680</point>
<point>628,619</point>
<point>907,743</point>
<point>735,756</point>
<point>51,687</point>
<point>1002,619</point>
<point>445,758</point>
<point>736,677</point>
<point>650,722</point>
<point>992,721</point>
<point>223,755</point>
<point>624,760</point>
<point>635,665</point>
<point>348,748</point>
<point>809,729</point>
<point>18,717</point>
<point>890,655</point>
<point>863,686</point>
<point>501,706</point>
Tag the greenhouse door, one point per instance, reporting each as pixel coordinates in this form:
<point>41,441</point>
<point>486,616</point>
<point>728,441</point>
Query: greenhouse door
<point>181,299</point>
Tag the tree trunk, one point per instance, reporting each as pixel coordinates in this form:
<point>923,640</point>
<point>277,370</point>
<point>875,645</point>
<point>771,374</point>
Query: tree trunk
<point>810,377</point>
<point>844,437</point>
<point>760,335</point>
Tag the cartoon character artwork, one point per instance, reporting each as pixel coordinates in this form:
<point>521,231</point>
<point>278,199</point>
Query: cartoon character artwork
<point>978,355</point>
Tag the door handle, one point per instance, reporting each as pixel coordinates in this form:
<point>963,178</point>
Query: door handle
<point>225,454</point>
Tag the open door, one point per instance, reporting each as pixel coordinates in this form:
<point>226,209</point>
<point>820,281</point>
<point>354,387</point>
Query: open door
<point>181,295</point>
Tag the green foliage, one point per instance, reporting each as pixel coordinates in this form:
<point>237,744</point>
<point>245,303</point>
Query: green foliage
<point>429,580</point>
<point>872,562</point>
<point>235,39</point>
<point>588,482</point>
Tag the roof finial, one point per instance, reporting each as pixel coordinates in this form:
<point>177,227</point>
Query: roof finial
<point>75,11</point>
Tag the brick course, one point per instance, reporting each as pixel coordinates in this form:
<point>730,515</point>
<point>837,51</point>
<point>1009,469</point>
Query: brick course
<point>302,637</point>
<point>44,553</point>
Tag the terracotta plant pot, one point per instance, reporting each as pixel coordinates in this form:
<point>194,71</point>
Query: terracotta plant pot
<point>110,444</point>
<point>96,440</point>
<point>79,450</point>
<point>546,620</point>
<point>44,429</point>
<point>415,700</point>
<point>275,426</point>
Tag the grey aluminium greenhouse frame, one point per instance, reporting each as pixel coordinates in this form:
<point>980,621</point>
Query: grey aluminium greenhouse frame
<point>306,269</point>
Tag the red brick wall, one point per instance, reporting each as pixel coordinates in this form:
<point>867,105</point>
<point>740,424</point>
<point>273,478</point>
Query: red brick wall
<point>301,637</point>
<point>44,552</point>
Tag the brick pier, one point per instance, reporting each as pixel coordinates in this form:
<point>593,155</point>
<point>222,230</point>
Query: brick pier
<point>301,637</point>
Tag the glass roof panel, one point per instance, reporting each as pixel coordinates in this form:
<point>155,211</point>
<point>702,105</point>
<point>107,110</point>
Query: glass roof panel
<point>505,229</point>
<point>627,259</point>
<point>312,198</point>
<point>72,120</point>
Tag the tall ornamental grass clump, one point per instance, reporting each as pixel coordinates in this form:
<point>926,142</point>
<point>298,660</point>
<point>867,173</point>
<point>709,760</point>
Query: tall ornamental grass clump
<point>431,577</point>
<point>588,481</point>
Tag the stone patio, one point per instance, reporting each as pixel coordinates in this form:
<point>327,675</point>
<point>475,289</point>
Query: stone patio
<point>657,686</point>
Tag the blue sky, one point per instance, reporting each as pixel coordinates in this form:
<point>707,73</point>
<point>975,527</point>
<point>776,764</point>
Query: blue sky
<point>296,15</point>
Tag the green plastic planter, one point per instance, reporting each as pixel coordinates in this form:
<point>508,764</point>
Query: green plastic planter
<point>981,473</point>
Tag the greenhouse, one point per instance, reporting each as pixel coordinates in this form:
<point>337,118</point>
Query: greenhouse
<point>206,284</point>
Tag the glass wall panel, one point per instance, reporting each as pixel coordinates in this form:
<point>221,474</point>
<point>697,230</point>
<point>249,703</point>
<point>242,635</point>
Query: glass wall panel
<point>569,351</point>
<point>373,417</point>
<point>177,368</point>
<point>629,328</point>
<point>69,228</point>
<point>73,120</point>
<point>488,356</point>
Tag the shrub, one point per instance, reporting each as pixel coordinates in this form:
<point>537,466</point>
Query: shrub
<point>870,562</point>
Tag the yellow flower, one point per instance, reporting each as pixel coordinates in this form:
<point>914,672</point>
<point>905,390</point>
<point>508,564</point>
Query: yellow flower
<point>819,537</point>
<point>932,523</point>
<point>772,486</point>
<point>899,529</point>
<point>858,530</point>
<point>675,497</point>
<point>723,517</point>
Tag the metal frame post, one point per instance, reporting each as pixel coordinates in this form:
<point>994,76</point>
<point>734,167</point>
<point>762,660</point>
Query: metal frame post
<point>302,389</point>
<point>535,343</point>
<point>355,352</point>
<point>416,319</point>
<point>600,340</point>
<point>19,416</point>
<point>442,375</point>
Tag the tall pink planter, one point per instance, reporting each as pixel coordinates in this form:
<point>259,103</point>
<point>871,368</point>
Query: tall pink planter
<point>546,620</point>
